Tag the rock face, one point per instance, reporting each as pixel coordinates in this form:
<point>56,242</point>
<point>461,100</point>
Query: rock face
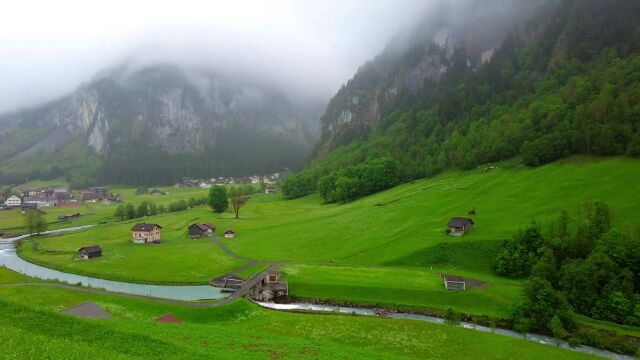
<point>178,110</point>
<point>170,109</point>
<point>413,63</point>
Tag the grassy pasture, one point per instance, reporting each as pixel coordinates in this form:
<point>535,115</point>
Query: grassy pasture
<point>334,248</point>
<point>32,328</point>
<point>401,287</point>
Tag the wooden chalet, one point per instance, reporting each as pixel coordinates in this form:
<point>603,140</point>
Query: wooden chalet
<point>459,226</point>
<point>89,252</point>
<point>229,234</point>
<point>197,230</point>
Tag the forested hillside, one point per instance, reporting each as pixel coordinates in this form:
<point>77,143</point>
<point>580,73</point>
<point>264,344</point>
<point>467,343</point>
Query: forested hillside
<point>566,81</point>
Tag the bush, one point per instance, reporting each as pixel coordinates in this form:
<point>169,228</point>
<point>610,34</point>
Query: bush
<point>451,317</point>
<point>574,342</point>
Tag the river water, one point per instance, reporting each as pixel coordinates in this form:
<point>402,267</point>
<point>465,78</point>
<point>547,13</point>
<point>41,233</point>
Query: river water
<point>11,260</point>
<point>540,339</point>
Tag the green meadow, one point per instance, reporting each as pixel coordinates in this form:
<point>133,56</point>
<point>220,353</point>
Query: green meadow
<point>31,327</point>
<point>386,249</point>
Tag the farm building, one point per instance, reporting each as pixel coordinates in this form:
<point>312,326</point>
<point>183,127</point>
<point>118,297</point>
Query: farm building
<point>453,282</point>
<point>197,230</point>
<point>459,226</point>
<point>229,234</point>
<point>89,252</point>
<point>271,286</point>
<point>146,233</point>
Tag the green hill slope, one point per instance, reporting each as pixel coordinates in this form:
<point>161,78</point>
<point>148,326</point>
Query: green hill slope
<point>31,328</point>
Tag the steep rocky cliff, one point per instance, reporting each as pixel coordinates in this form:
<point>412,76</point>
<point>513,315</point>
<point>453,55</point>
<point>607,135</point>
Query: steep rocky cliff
<point>171,111</point>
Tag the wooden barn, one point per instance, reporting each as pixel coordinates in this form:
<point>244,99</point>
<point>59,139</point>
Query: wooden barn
<point>229,234</point>
<point>89,252</point>
<point>197,230</point>
<point>459,226</point>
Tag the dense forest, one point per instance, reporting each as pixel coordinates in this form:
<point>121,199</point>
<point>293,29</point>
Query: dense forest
<point>577,263</point>
<point>572,86</point>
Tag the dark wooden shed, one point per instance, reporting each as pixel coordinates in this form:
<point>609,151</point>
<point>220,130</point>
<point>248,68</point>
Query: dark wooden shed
<point>89,252</point>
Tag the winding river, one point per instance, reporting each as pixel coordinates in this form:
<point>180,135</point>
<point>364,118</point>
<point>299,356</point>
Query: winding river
<point>10,259</point>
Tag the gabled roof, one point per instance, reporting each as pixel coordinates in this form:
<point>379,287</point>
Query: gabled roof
<point>203,227</point>
<point>454,278</point>
<point>145,227</point>
<point>229,231</point>
<point>91,249</point>
<point>459,222</point>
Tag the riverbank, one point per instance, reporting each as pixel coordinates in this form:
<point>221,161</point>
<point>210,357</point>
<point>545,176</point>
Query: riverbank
<point>536,338</point>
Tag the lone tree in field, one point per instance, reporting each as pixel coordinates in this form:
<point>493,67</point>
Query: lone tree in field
<point>238,199</point>
<point>121,212</point>
<point>218,199</point>
<point>35,222</point>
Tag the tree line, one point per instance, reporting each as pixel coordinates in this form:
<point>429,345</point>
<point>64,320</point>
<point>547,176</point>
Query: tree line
<point>579,264</point>
<point>345,184</point>
<point>149,208</point>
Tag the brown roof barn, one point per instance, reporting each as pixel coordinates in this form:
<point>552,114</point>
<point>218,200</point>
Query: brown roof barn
<point>229,234</point>
<point>197,230</point>
<point>459,226</point>
<point>89,252</point>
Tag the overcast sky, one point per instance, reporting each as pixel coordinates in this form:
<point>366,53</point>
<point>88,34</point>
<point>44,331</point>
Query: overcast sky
<point>48,48</point>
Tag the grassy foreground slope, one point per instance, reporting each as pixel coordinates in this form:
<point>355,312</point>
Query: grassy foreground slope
<point>31,328</point>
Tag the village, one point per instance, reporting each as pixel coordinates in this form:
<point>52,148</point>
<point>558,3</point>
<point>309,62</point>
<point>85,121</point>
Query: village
<point>15,197</point>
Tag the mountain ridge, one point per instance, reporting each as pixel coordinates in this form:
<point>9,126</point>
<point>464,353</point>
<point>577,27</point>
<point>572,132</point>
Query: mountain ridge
<point>170,110</point>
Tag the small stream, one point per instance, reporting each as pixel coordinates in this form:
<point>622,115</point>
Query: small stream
<point>10,259</point>
<point>540,339</point>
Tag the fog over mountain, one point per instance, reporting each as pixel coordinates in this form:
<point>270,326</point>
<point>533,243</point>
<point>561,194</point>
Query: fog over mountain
<point>306,48</point>
<point>234,88</point>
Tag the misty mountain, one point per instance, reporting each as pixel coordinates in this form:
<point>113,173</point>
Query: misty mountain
<point>155,124</point>
<point>454,38</point>
<point>480,82</point>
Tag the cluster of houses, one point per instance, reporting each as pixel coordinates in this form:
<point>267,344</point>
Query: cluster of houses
<point>151,234</point>
<point>55,197</point>
<point>188,182</point>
